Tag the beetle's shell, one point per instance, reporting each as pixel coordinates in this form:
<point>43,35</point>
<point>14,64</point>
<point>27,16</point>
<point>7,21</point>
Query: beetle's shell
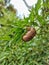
<point>29,35</point>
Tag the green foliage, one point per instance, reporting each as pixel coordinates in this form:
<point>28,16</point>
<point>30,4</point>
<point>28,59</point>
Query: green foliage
<point>13,50</point>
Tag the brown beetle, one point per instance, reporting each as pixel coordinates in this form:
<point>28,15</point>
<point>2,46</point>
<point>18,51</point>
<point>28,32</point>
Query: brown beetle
<point>30,34</point>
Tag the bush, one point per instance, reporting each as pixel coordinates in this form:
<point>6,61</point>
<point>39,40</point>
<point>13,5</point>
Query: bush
<point>15,51</point>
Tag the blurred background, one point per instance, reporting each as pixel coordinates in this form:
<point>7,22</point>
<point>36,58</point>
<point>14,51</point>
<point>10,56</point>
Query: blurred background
<point>22,8</point>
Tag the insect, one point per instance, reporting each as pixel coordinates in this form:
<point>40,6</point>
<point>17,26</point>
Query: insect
<point>30,34</point>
